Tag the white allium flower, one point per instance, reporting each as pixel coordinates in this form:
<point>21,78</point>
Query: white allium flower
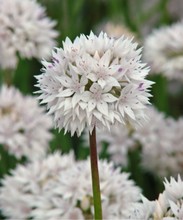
<point>95,81</point>
<point>174,188</point>
<point>59,187</point>
<point>163,50</point>
<point>170,204</point>
<point>117,192</point>
<point>162,144</point>
<point>28,183</point>
<point>24,126</point>
<point>26,30</point>
<point>141,210</point>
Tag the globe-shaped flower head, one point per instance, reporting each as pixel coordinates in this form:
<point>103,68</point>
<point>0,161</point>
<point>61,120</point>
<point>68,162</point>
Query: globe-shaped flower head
<point>24,127</point>
<point>168,206</point>
<point>163,51</point>
<point>25,30</point>
<point>50,189</point>
<point>94,81</point>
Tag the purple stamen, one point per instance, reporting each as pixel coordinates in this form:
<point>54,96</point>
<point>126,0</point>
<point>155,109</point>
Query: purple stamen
<point>120,69</point>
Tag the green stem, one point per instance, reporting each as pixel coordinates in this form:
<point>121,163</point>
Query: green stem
<point>95,176</point>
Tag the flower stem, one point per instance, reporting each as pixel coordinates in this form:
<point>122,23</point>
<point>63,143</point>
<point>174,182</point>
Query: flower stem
<point>95,176</point>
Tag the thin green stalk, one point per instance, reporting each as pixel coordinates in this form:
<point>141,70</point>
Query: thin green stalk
<point>95,176</point>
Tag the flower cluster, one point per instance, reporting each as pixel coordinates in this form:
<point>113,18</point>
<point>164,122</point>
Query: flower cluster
<point>161,139</point>
<point>168,206</point>
<point>95,81</point>
<point>170,201</point>
<point>29,183</point>
<point>49,189</point>
<point>26,30</point>
<point>141,210</point>
<point>24,126</point>
<point>166,57</point>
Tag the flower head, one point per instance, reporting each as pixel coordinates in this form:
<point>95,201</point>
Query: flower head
<point>49,189</point>
<point>161,139</point>
<point>25,30</point>
<point>24,127</point>
<point>141,210</point>
<point>30,183</point>
<point>94,81</point>
<point>169,204</point>
<point>166,57</point>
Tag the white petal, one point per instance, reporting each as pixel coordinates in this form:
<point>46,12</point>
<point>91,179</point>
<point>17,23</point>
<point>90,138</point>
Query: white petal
<point>102,83</point>
<point>105,59</point>
<point>174,208</point>
<point>129,112</point>
<point>47,99</point>
<point>73,72</point>
<point>83,80</point>
<point>111,116</point>
<point>121,109</point>
<point>96,55</point>
<point>118,118</point>
<point>86,96</point>
<point>102,107</point>
<point>91,105</point>
<point>75,99</point>
<point>52,109</point>
<point>109,97</point>
<point>112,81</point>
<point>95,88</point>
<point>67,104</point>
<point>97,114</point>
<point>92,77</point>
<point>66,93</point>
<point>61,104</point>
<point>65,80</point>
<point>83,105</point>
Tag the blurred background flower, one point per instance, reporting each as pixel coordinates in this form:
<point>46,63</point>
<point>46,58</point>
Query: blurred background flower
<point>25,31</point>
<point>25,129</point>
<point>58,193</point>
<point>163,51</point>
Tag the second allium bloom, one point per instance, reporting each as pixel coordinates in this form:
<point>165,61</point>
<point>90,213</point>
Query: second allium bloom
<point>95,81</point>
<point>25,31</point>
